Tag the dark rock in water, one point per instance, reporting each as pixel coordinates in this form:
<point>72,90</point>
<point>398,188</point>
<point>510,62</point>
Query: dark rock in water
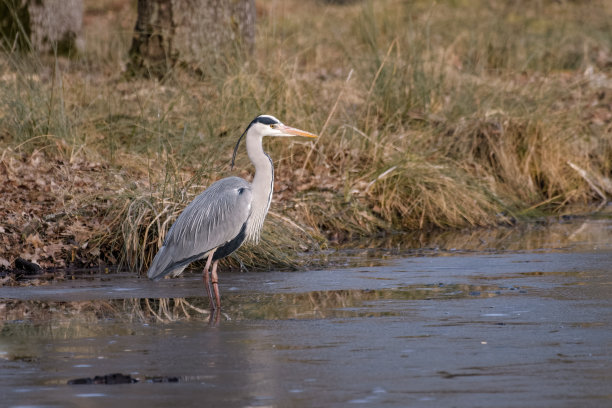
<point>105,379</point>
<point>79,381</point>
<point>163,379</point>
<point>115,379</point>
<point>30,268</point>
<point>119,379</point>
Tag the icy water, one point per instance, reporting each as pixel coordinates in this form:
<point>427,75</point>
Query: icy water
<point>524,325</point>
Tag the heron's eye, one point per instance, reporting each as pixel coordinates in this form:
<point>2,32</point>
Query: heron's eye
<point>273,126</point>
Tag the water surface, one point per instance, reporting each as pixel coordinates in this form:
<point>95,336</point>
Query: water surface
<point>515,327</point>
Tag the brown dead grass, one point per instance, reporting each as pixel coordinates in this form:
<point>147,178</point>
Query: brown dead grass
<point>431,115</point>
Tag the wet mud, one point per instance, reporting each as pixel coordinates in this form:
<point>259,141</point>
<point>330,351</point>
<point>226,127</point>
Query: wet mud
<point>521,327</point>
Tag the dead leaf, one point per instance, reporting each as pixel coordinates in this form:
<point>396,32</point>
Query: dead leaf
<point>34,240</point>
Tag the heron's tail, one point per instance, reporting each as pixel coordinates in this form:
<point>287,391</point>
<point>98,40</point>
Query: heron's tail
<point>163,265</point>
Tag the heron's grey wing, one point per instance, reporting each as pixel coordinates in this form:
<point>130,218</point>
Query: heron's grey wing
<point>213,218</point>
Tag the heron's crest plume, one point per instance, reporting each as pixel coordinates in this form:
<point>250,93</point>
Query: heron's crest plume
<point>236,148</point>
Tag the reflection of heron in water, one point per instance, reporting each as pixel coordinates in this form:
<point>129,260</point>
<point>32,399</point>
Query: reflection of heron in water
<point>227,213</point>
<point>165,309</point>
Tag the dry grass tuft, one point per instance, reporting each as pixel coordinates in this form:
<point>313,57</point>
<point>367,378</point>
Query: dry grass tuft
<point>416,194</point>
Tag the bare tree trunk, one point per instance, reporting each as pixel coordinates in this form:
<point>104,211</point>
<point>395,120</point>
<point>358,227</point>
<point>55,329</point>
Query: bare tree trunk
<point>190,32</point>
<point>42,25</point>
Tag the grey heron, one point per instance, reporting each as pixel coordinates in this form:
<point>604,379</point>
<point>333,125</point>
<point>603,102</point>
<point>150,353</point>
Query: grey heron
<point>228,213</point>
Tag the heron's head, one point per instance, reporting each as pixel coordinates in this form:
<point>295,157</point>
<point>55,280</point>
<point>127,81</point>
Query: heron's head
<point>268,125</point>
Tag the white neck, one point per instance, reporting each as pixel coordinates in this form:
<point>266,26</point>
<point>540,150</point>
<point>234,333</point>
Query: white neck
<point>262,185</point>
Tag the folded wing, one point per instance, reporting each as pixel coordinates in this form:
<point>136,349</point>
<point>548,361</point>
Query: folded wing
<point>212,219</point>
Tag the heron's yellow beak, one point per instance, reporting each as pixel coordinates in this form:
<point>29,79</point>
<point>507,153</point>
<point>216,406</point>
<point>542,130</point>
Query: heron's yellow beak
<point>297,132</point>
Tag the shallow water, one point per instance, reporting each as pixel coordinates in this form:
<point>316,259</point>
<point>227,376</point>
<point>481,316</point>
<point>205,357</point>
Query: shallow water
<point>526,327</point>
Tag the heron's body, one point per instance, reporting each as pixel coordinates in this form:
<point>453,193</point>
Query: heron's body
<point>224,216</point>
<point>196,232</point>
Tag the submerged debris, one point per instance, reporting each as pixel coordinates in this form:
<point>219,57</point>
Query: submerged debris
<point>105,379</point>
<point>118,378</point>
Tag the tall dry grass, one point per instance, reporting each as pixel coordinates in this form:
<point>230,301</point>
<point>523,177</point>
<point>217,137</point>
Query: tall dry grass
<point>431,115</point>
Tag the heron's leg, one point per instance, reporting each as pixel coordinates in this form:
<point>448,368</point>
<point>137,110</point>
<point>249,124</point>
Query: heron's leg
<point>215,284</point>
<point>213,319</point>
<point>207,278</point>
